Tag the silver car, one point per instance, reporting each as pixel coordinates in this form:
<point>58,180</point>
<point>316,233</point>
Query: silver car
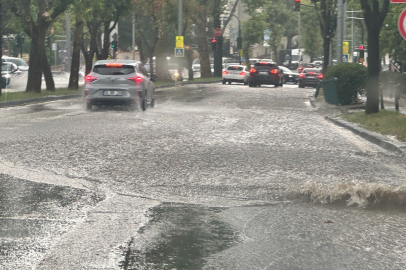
<point>236,73</point>
<point>122,82</point>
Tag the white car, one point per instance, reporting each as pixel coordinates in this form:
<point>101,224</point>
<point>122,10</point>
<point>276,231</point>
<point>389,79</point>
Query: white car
<point>236,73</point>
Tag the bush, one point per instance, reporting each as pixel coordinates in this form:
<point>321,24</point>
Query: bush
<point>351,82</point>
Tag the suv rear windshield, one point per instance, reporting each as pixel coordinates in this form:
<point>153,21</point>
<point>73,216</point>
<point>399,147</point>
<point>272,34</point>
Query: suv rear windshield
<point>234,68</point>
<point>114,70</point>
<point>265,66</point>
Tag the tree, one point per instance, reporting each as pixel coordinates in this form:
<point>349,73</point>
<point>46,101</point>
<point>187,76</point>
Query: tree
<point>77,45</point>
<point>310,40</point>
<point>374,16</point>
<point>37,17</point>
<point>326,11</point>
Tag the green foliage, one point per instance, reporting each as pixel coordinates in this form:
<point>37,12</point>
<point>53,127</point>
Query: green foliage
<point>351,81</point>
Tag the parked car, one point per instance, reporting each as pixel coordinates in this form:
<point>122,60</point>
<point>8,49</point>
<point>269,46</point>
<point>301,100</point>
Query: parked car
<point>196,65</point>
<point>265,73</point>
<point>310,77</point>
<point>266,60</point>
<point>22,65</point>
<point>306,65</point>
<point>253,61</point>
<point>318,63</point>
<point>8,71</point>
<point>123,82</point>
<point>236,73</point>
<point>289,75</point>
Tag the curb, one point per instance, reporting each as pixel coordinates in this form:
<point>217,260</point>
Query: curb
<point>23,102</point>
<point>373,137</point>
<point>370,136</point>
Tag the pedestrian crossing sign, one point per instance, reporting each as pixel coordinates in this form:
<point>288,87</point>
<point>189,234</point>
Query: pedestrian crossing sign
<point>179,52</point>
<point>345,58</point>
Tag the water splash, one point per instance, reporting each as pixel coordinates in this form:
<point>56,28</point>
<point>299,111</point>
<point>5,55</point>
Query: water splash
<point>352,194</point>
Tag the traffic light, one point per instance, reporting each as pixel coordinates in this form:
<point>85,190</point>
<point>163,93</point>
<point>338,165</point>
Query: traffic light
<point>239,43</point>
<point>114,45</point>
<point>297,5</point>
<point>361,54</point>
<point>214,44</point>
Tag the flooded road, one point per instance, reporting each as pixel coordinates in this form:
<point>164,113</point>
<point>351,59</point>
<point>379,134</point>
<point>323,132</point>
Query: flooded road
<point>215,177</point>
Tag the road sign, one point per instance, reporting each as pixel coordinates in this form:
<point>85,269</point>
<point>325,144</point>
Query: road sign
<point>345,58</point>
<point>179,52</point>
<point>217,32</point>
<point>179,42</point>
<point>345,47</point>
<point>402,24</point>
<point>243,59</point>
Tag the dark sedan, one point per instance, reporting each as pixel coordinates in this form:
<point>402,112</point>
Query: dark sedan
<point>310,77</point>
<point>265,73</point>
<point>289,75</point>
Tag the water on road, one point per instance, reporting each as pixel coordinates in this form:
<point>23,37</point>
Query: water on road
<point>215,177</point>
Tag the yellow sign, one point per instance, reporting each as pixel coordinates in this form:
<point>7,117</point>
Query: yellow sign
<point>345,47</point>
<point>179,42</point>
<point>241,53</point>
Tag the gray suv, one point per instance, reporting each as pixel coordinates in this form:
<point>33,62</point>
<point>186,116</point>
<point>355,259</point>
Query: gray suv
<point>119,82</point>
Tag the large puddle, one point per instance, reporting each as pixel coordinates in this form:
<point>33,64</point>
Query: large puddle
<point>180,236</point>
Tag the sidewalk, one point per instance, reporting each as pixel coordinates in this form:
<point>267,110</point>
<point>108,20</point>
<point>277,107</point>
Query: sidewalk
<point>332,113</point>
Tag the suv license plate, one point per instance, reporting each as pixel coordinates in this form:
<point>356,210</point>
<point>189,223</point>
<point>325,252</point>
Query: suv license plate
<point>112,93</point>
<point>263,72</point>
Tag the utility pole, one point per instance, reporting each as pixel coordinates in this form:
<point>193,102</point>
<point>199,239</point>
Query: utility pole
<point>68,48</point>
<point>340,23</point>
<point>133,38</point>
<point>218,53</point>
<point>180,5</point>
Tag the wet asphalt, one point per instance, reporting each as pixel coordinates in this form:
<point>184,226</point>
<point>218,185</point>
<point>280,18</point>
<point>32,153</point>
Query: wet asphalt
<point>215,177</point>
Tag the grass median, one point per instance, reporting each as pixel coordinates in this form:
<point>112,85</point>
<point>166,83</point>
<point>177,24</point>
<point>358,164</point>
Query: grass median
<point>12,96</point>
<point>385,122</point>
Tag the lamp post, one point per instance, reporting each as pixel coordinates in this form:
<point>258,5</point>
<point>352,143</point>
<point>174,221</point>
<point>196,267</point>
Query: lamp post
<point>239,41</point>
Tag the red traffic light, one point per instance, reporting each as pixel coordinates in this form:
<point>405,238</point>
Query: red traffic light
<point>297,1</point>
<point>213,40</point>
<point>361,47</point>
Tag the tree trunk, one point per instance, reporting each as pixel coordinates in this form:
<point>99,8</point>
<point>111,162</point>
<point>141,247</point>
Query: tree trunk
<point>161,63</point>
<point>326,51</point>
<point>203,46</point>
<point>372,104</point>
<point>189,58</point>
<point>77,44</point>
<point>36,57</point>
<point>49,79</point>
<point>106,42</point>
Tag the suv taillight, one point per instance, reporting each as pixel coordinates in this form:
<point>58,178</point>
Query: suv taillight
<point>274,71</point>
<point>320,76</point>
<point>90,78</point>
<point>225,72</point>
<point>253,70</point>
<point>137,79</point>
<point>243,73</point>
<point>301,75</point>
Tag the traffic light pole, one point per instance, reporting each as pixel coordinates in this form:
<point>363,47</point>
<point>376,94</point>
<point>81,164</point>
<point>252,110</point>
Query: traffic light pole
<point>340,24</point>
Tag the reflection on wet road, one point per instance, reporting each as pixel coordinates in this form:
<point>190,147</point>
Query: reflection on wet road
<point>181,237</point>
<point>30,211</point>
